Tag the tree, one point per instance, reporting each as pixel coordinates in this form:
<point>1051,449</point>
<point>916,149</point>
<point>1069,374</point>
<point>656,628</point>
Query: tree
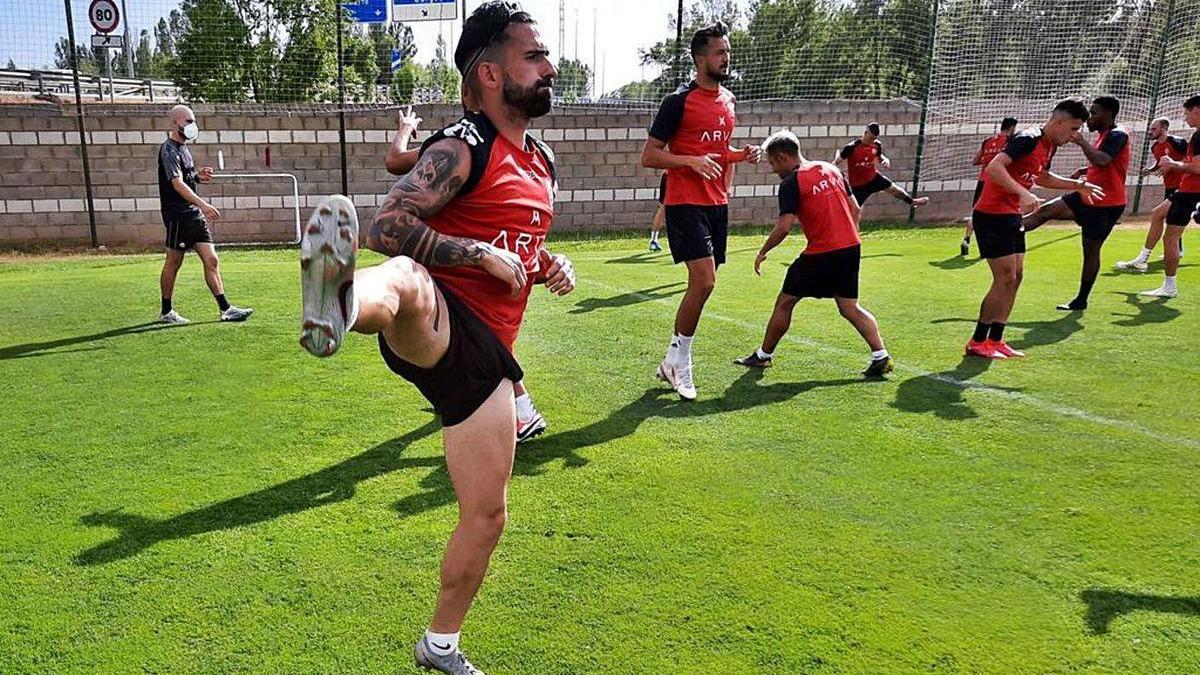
<point>572,81</point>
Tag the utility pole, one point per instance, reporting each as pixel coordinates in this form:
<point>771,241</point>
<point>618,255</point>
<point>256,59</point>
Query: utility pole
<point>128,42</point>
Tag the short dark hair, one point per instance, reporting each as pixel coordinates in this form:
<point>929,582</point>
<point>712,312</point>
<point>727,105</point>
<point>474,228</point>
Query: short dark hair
<point>782,143</point>
<point>1073,107</point>
<point>484,28</point>
<point>700,38</point>
<point>1008,123</point>
<point>873,127</point>
<point>1193,102</point>
<point>1109,103</point>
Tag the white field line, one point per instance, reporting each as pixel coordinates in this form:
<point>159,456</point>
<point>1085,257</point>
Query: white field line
<point>1027,399</point>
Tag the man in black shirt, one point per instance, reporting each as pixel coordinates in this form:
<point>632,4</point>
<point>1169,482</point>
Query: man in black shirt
<point>186,216</point>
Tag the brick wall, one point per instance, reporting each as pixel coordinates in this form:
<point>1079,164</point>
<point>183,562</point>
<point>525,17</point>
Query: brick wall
<point>602,185</point>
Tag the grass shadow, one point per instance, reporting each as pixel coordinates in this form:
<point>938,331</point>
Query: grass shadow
<point>1152,267</point>
<point>1149,311</point>
<point>1103,606</point>
<point>1037,333</point>
<point>959,262</point>
<point>626,299</point>
<point>643,258</point>
<point>942,393</point>
<point>48,347</point>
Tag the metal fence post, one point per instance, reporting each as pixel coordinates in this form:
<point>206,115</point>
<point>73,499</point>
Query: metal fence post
<point>916,181</point>
<point>342,101</point>
<point>1158,70</point>
<point>679,69</point>
<point>83,145</point>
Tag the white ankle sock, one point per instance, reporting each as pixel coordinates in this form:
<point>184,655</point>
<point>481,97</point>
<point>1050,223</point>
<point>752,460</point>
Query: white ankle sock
<point>879,353</point>
<point>653,235</point>
<point>442,644</point>
<point>1169,283</point>
<point>1144,255</point>
<point>524,406</point>
<point>684,355</point>
<point>764,355</point>
<point>351,307</point>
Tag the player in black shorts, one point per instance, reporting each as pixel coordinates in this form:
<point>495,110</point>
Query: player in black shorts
<point>660,216</point>
<point>1184,203</point>
<point>863,157</point>
<point>186,216</point>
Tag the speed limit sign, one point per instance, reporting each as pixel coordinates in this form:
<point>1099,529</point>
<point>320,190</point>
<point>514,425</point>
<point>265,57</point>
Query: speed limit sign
<point>104,15</point>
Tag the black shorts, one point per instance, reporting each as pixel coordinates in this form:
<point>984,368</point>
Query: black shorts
<point>978,192</point>
<point>878,184</point>
<point>1183,205</point>
<point>1167,192</point>
<point>662,189</point>
<point>1097,222</point>
<point>185,230</point>
<point>998,235</point>
<point>695,232</point>
<point>824,275</point>
<point>475,363</point>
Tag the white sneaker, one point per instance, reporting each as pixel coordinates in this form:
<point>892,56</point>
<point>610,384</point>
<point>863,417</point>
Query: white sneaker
<point>237,313</point>
<point>328,253</point>
<point>1161,292</point>
<point>527,429</point>
<point>173,317</point>
<point>1137,264</point>
<point>679,377</point>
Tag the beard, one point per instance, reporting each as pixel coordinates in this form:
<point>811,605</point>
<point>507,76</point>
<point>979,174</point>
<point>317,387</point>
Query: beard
<point>716,74</point>
<point>532,101</point>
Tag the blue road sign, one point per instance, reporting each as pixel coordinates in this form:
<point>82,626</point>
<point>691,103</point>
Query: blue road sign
<point>367,11</point>
<point>397,59</point>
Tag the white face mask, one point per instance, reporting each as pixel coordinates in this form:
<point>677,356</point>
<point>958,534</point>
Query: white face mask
<point>190,131</point>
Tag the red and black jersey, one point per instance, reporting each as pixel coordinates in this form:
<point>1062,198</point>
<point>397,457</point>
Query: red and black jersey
<point>1111,178</point>
<point>818,194</point>
<point>1176,148</point>
<point>861,158</point>
<point>991,146</point>
<point>1191,181</point>
<point>696,121</point>
<point>507,201</point>
<point>1031,153</point>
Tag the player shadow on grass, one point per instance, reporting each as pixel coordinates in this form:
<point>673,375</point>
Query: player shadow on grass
<point>640,258</point>
<point>942,393</point>
<point>1152,268</point>
<point>1149,310</point>
<point>1103,606</point>
<point>52,346</point>
<point>1037,333</point>
<point>626,299</point>
<point>958,262</point>
<point>657,402</point>
<point>327,486</point>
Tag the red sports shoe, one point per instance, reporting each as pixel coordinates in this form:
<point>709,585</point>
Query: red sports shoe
<point>983,350</point>
<point>1001,347</point>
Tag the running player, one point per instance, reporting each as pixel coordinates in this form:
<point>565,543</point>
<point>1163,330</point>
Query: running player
<point>1165,145</point>
<point>660,216</point>
<point>819,196</point>
<point>464,230</point>
<point>997,218</point>
<point>864,156</point>
<point>1184,201</point>
<point>186,217</point>
<point>690,140</point>
<point>399,161</point>
<point>1108,162</point>
<point>991,146</point>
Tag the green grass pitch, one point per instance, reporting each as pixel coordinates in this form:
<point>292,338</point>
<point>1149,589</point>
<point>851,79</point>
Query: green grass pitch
<point>211,499</point>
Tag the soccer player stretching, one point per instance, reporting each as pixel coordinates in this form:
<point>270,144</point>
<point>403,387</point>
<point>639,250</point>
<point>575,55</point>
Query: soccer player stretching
<point>1184,202</point>
<point>997,218</point>
<point>816,194</point>
<point>464,230</point>
<point>864,156</point>
<point>1166,145</point>
<point>991,146</point>
<point>1108,162</point>
<point>690,139</point>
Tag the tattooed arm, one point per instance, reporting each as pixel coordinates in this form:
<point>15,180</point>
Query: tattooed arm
<point>399,227</point>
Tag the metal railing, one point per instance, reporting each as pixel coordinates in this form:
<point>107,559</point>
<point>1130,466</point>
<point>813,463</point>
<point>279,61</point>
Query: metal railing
<point>59,83</point>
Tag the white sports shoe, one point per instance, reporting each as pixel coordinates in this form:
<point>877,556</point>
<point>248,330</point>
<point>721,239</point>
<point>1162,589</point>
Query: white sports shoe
<point>1161,292</point>
<point>679,377</point>
<point>173,317</point>
<point>527,429</point>
<point>237,313</point>
<point>328,253</point>
<point>1136,264</point>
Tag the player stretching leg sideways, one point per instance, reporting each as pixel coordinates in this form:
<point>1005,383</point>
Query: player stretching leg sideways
<point>1185,203</point>
<point>1108,163</point>
<point>690,140</point>
<point>816,194</point>
<point>464,230</point>
<point>991,146</point>
<point>864,156</point>
<point>1173,147</point>
<point>997,217</point>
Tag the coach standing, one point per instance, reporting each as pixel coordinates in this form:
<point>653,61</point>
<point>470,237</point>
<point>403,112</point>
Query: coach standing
<point>186,216</point>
